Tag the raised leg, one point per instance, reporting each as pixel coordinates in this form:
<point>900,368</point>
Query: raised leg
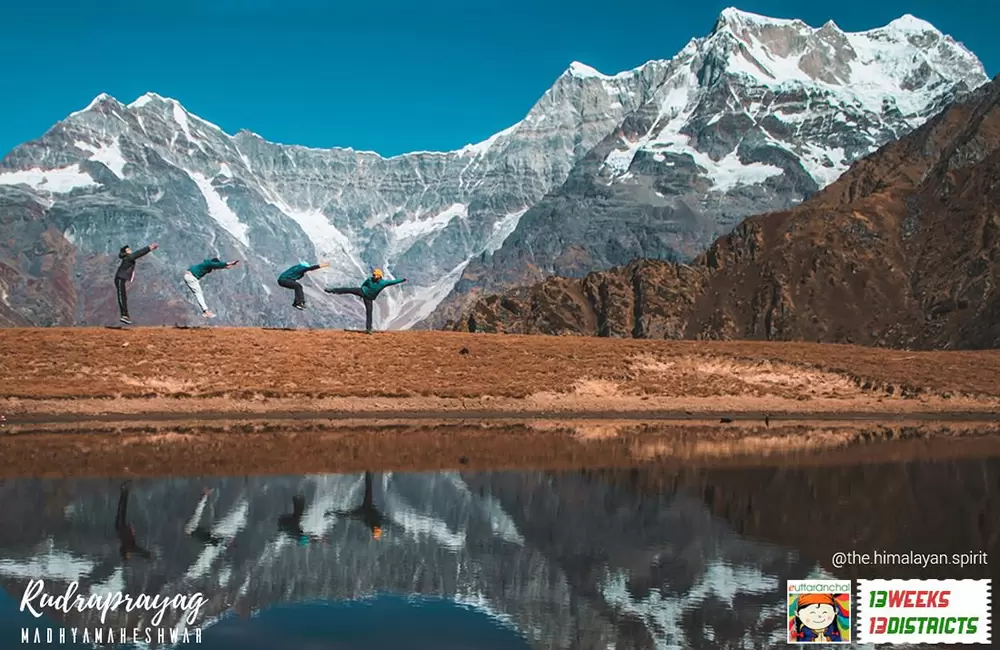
<point>346,291</point>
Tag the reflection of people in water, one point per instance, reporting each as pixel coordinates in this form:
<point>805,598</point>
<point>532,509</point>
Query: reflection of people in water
<point>816,619</point>
<point>291,523</point>
<point>125,530</point>
<point>366,513</point>
<point>196,526</point>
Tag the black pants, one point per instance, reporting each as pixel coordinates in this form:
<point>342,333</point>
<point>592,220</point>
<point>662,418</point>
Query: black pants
<point>292,523</point>
<point>126,536</point>
<point>353,291</point>
<point>300,294</point>
<point>121,517</point>
<point>122,297</point>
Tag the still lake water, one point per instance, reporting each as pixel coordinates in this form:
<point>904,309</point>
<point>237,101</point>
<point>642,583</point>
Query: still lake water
<point>627,559</point>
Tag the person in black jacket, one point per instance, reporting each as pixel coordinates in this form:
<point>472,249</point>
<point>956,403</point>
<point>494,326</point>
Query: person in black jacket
<point>125,275</point>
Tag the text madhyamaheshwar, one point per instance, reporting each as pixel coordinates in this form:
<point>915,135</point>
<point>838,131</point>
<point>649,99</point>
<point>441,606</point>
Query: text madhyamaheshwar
<point>107,635</point>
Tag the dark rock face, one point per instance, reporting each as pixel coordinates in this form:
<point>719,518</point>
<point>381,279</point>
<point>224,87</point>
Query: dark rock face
<point>901,251</point>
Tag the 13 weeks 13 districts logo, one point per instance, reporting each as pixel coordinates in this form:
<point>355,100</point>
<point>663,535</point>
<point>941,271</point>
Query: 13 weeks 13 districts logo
<point>924,611</point>
<point>819,611</point>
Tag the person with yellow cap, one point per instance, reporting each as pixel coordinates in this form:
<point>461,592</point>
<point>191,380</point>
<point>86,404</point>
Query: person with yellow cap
<point>368,292</point>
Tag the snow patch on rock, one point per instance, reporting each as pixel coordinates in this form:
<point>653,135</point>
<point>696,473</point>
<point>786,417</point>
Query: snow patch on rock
<point>418,228</point>
<point>219,209</point>
<point>56,181</point>
<point>110,155</point>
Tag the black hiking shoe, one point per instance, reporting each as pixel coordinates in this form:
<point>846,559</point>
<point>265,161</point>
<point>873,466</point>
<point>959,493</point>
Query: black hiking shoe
<point>302,307</point>
<point>126,320</point>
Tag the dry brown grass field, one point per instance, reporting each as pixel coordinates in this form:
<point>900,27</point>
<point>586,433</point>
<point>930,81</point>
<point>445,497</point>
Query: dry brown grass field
<point>143,371</point>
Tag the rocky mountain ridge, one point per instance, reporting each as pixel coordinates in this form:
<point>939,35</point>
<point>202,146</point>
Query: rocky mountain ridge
<point>756,117</point>
<point>902,251</point>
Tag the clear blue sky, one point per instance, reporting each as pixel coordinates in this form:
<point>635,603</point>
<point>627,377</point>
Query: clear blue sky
<point>384,76</point>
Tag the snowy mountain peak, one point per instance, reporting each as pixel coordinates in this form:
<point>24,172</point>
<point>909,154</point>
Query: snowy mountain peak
<point>910,23</point>
<point>584,71</point>
<point>896,59</point>
<point>734,16</point>
<point>149,98</point>
<point>101,100</point>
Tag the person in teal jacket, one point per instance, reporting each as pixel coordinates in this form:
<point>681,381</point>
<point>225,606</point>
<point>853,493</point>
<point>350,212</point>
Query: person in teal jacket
<point>289,279</point>
<point>368,292</point>
<point>193,276</point>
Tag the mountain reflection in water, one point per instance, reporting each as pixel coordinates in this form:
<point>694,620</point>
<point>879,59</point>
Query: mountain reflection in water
<point>621,559</point>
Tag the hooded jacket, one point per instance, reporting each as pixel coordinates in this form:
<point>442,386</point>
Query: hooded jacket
<point>297,272</point>
<point>201,269</point>
<point>126,270</point>
<point>372,287</point>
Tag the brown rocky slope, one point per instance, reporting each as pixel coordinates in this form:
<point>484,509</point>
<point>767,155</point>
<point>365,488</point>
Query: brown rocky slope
<point>900,252</point>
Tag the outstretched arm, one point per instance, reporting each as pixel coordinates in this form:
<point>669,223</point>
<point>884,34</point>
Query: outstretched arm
<point>321,265</point>
<point>221,265</point>
<point>143,251</point>
<point>389,283</point>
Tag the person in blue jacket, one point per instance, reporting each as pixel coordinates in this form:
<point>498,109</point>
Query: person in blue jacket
<point>193,276</point>
<point>289,279</point>
<point>368,292</point>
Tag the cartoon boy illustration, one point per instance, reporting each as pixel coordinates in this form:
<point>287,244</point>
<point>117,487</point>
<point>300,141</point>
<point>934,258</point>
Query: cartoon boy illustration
<point>816,619</point>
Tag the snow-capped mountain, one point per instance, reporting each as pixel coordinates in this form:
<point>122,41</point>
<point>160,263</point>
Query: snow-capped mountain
<point>651,162</point>
<point>754,118</point>
<point>114,174</point>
